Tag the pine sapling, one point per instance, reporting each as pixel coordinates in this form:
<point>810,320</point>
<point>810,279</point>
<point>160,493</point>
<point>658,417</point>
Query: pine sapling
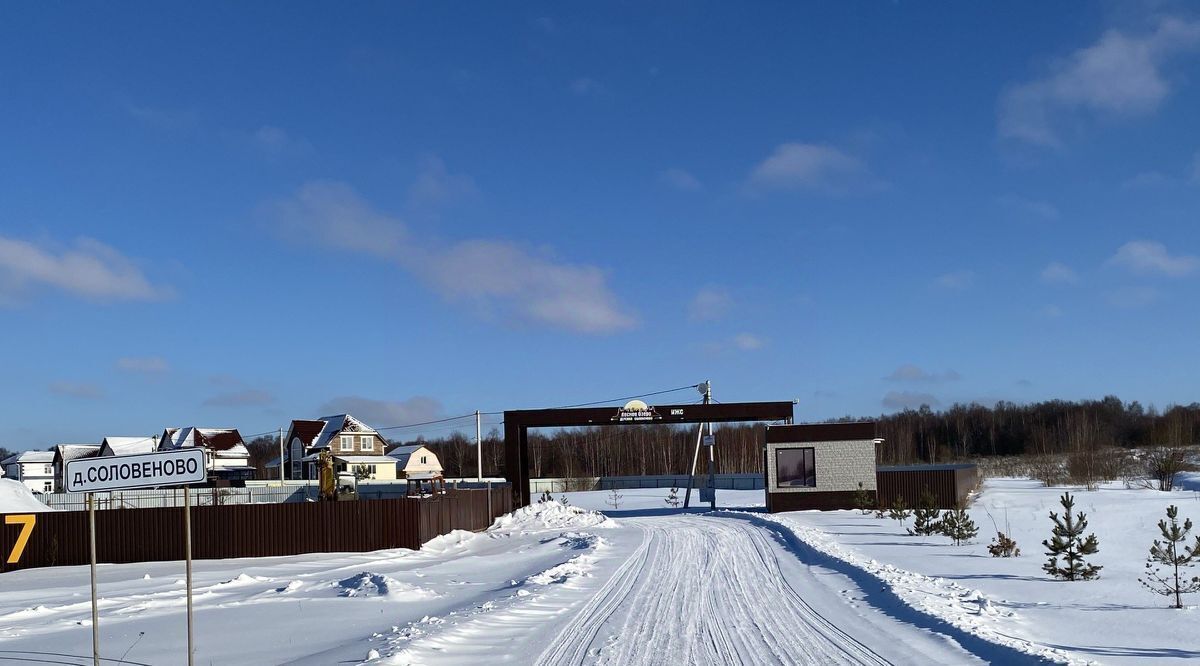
<point>546,497</point>
<point>863,500</point>
<point>614,499</point>
<point>927,516</point>
<point>957,525</point>
<point>673,497</point>
<point>898,510</point>
<point>1172,552</point>
<point>1069,544</point>
<point>1003,546</point>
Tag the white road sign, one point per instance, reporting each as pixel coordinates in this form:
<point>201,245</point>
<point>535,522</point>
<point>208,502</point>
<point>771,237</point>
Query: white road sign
<point>144,470</point>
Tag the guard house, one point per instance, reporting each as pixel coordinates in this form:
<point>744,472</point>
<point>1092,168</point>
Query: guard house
<point>819,465</point>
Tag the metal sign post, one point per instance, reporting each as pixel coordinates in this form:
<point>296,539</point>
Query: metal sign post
<point>187,548</point>
<point>91,503</point>
<point>147,470</point>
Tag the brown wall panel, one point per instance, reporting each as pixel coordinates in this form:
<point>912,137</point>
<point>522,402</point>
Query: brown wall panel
<point>824,501</point>
<point>60,538</point>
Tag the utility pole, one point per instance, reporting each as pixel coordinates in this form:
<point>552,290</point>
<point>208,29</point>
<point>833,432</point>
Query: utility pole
<point>705,389</point>
<point>478,448</point>
<point>281,457</point>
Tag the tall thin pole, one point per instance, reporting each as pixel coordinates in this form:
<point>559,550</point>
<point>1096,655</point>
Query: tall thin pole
<point>281,457</point>
<point>187,552</point>
<point>91,502</point>
<point>478,448</point>
<point>712,470</point>
<point>687,495</point>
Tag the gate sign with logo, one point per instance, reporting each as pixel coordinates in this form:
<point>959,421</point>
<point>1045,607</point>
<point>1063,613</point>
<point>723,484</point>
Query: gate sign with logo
<point>636,410</point>
<point>145,470</point>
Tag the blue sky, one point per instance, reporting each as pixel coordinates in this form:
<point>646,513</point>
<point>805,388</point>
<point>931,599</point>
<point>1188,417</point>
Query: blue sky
<point>232,215</point>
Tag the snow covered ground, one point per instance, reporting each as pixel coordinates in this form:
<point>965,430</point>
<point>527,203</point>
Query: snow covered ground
<point>646,585</point>
<point>15,497</point>
<point>1112,620</point>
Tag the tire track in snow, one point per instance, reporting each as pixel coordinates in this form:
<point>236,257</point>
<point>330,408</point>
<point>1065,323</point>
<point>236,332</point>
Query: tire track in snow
<point>702,590</point>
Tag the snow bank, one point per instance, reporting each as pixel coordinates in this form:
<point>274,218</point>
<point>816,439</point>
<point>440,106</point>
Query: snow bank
<point>444,543</point>
<point>15,497</point>
<point>369,583</point>
<point>552,515</point>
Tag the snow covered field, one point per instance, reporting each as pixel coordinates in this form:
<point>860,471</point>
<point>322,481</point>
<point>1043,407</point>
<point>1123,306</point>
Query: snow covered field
<point>648,584</point>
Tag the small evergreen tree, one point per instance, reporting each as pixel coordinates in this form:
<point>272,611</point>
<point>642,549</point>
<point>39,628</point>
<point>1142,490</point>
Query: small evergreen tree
<point>898,510</point>
<point>1003,546</point>
<point>563,501</point>
<point>673,497</point>
<point>957,525</point>
<point>862,500</point>
<point>1172,553</point>
<point>546,497</point>
<point>926,517</point>
<point>1068,543</point>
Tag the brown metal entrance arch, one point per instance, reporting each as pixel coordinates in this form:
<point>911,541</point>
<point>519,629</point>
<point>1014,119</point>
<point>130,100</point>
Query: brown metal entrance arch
<point>518,422</point>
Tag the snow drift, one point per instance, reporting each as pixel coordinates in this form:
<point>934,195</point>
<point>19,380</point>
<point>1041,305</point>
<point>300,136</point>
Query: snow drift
<point>552,515</point>
<point>15,497</point>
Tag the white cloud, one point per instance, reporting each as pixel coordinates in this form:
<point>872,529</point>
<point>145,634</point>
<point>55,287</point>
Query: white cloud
<point>89,269</point>
<point>748,342</point>
<point>243,398</point>
<point>1119,75</point>
<point>1057,273</point>
<point>710,303</point>
<point>1151,257</point>
<point>493,275</point>
<point>1147,179</point>
<point>680,180</point>
<point>956,281</point>
<point>77,390</point>
<point>146,365</point>
<point>1134,297</point>
<point>911,373</point>
<point>908,400</point>
<point>435,184</point>
<point>386,413</point>
<point>807,166</point>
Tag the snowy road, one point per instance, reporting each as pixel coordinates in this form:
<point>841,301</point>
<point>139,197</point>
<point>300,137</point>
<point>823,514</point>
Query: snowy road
<point>549,585</point>
<point>710,590</point>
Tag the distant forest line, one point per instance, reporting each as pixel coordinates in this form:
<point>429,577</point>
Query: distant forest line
<point>911,436</point>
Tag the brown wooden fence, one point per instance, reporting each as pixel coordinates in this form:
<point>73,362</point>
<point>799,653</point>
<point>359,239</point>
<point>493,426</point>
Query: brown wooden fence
<point>60,538</point>
<point>950,484</point>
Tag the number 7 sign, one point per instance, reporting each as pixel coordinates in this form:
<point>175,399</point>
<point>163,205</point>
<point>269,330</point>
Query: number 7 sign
<point>26,521</point>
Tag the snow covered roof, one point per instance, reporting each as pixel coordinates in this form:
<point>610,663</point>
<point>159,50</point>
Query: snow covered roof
<point>64,453</point>
<point>422,476</point>
<point>402,454</point>
<point>126,446</point>
<point>29,457</point>
<point>304,430</point>
<point>214,439</point>
<point>366,460</point>
<point>337,424</point>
